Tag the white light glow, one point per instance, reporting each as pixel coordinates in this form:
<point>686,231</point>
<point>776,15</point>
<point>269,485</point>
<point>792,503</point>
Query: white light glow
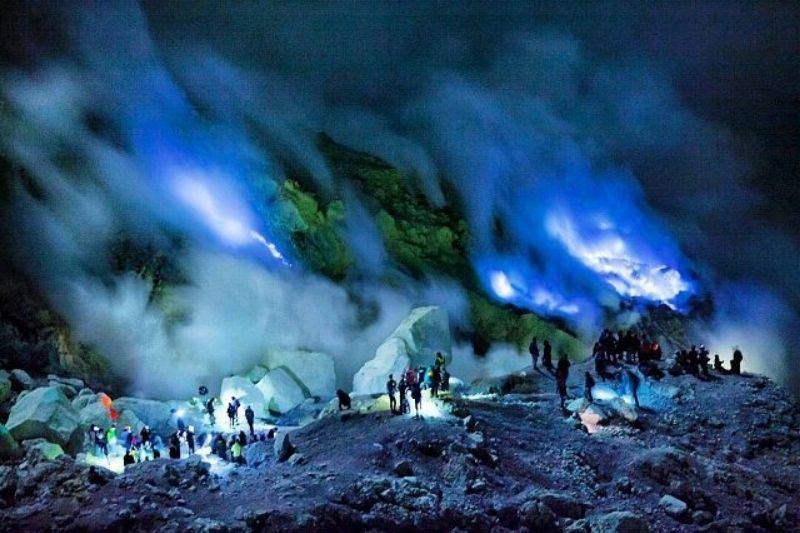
<point>222,216</point>
<point>501,284</point>
<point>604,392</point>
<point>615,262</point>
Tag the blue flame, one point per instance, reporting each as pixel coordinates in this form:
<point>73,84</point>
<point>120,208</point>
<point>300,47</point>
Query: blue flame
<point>512,280</point>
<point>202,175</point>
<point>580,237</point>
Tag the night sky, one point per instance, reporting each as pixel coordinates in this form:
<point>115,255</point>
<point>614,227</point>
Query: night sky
<point>700,102</point>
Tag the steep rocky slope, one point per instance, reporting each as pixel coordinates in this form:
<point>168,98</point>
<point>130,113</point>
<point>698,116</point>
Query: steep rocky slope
<point>716,455</point>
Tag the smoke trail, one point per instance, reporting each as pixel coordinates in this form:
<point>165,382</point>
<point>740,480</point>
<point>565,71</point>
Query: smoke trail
<point>559,142</point>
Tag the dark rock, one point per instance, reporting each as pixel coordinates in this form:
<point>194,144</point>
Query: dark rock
<point>258,453</point>
<point>403,469</point>
<point>536,516</point>
<point>702,518</point>
<point>283,447</point>
<point>21,379</point>
<point>563,505</point>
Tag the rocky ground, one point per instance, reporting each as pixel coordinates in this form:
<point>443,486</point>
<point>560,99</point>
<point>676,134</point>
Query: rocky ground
<point>717,455</point>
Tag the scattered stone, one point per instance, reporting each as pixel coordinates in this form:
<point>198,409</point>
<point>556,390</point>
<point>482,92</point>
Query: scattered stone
<point>702,518</point>
<point>619,522</point>
<point>297,459</point>
<point>537,517</point>
<point>563,505</point>
<point>673,506</point>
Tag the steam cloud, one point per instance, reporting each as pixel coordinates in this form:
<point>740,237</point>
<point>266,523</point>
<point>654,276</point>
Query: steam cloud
<point>524,119</point>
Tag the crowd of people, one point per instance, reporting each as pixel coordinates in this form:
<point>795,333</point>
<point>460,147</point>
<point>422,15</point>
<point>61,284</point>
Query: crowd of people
<point>623,351</point>
<point>614,354</point>
<point>436,378</point>
<point>146,445</point>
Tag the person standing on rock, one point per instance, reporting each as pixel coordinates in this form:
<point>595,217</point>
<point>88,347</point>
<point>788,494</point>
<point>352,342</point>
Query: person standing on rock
<point>236,405</point>
<point>236,452</point>
<point>436,381</point>
<point>128,459</point>
<point>736,362</point>
<point>175,446</point>
<point>446,381</point>
<point>127,439</point>
<point>250,416</point>
<point>403,388</point>
<point>391,388</point>
<point>220,448</point>
<point>190,439</point>
<point>232,414</point>
<point>718,364</point>
<point>704,360</point>
<point>562,374</point>
<point>533,349</point>
<point>145,434</point>
<point>440,361</point>
<point>111,437</point>
<point>589,385</point>
<point>210,411</point>
<point>421,371</point>
<point>547,356</point>
<point>416,393</point>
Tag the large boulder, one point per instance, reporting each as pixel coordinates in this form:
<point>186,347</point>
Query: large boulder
<point>84,398</point>
<point>391,357</point>
<point>426,330</point>
<point>8,446</point>
<point>414,342</point>
<point>314,370</point>
<point>280,391</point>
<point>46,413</point>
<point>138,412</point>
<point>5,386</point>
<point>282,446</point>
<point>258,453</point>
<point>245,391</point>
<point>94,414</point>
<point>256,373</point>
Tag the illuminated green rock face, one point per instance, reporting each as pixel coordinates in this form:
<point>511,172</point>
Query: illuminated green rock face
<point>43,448</point>
<point>8,446</point>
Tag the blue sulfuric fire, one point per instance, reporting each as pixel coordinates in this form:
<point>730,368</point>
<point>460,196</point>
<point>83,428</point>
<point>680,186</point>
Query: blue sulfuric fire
<point>632,272</point>
<point>579,239</point>
<point>512,280</point>
<point>202,180</point>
